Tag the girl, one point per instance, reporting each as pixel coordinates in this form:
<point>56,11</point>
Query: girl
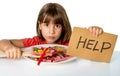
<point>53,27</point>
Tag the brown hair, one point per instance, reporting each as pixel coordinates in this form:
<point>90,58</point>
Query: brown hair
<point>58,13</point>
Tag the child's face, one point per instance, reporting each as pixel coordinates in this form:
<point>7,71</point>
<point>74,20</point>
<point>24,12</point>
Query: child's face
<point>50,31</point>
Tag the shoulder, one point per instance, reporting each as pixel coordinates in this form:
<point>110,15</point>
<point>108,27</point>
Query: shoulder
<point>32,41</point>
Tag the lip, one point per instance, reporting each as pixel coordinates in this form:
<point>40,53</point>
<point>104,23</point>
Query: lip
<point>51,37</point>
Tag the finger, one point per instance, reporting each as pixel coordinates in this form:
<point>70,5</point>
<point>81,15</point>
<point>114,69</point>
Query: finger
<point>90,29</point>
<point>7,54</point>
<point>100,31</point>
<point>14,54</point>
<point>94,31</point>
<point>97,32</point>
<point>11,54</point>
<point>18,54</point>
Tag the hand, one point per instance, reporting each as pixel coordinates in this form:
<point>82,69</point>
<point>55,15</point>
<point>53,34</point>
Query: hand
<point>95,30</point>
<point>13,53</point>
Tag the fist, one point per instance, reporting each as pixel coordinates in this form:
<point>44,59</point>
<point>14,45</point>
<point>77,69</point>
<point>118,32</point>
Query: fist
<point>95,30</point>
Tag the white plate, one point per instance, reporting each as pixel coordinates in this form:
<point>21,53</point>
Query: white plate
<point>48,45</point>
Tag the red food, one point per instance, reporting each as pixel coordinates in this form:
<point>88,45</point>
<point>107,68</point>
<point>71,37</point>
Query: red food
<point>53,54</point>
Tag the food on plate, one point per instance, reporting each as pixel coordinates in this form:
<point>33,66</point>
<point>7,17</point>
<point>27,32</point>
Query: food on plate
<point>53,54</point>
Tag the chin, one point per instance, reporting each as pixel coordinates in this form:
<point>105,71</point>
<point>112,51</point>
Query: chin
<point>49,42</point>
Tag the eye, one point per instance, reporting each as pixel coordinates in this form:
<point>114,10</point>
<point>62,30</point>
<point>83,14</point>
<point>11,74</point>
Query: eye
<point>45,24</point>
<point>58,25</point>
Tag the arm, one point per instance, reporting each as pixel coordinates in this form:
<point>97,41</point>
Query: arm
<point>12,48</point>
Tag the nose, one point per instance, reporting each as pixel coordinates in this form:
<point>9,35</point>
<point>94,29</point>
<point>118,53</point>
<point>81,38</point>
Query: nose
<point>52,29</point>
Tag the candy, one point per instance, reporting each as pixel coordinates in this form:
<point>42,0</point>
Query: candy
<point>36,49</point>
<point>40,51</point>
<point>35,59</point>
<point>53,54</point>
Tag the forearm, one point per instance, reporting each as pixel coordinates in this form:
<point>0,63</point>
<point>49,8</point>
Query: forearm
<point>5,44</point>
<point>9,47</point>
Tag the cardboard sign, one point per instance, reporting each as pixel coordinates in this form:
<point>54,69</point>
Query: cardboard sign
<point>84,45</point>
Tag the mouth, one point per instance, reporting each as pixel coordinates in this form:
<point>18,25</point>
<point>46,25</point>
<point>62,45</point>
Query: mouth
<point>51,37</point>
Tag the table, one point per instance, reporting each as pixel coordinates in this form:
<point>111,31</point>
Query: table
<point>77,67</point>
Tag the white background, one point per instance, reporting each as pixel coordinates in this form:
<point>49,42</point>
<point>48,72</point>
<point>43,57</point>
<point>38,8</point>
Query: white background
<point>18,17</point>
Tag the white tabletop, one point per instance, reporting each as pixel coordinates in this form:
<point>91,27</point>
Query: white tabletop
<point>78,67</point>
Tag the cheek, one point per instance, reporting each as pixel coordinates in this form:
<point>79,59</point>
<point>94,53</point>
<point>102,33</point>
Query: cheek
<point>44,31</point>
<point>59,32</point>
